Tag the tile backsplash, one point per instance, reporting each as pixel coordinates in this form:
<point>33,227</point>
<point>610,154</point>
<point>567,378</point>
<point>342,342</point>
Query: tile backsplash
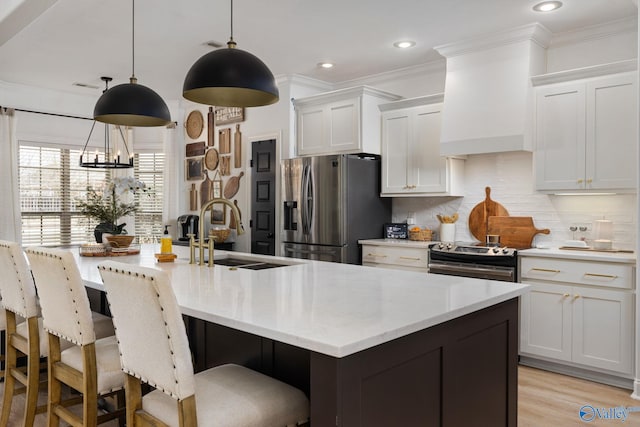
<point>510,176</point>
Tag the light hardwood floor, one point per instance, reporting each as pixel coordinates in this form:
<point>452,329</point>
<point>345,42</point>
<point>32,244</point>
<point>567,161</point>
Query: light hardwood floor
<point>550,399</point>
<point>545,399</point>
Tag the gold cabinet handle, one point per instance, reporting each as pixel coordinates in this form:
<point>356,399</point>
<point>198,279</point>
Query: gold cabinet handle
<point>545,270</point>
<point>565,295</point>
<point>580,181</point>
<point>576,296</point>
<point>376,255</point>
<point>589,181</point>
<point>602,276</point>
<point>409,258</point>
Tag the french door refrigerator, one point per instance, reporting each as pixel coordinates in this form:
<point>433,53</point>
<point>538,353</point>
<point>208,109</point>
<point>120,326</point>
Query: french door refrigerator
<point>331,202</point>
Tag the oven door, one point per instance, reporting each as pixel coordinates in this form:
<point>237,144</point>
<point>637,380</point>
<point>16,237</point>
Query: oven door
<point>477,271</point>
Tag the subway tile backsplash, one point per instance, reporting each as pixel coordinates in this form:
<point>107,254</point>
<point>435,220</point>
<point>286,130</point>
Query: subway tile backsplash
<point>510,176</point>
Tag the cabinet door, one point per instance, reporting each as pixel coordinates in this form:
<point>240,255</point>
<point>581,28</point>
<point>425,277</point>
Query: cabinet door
<point>560,137</point>
<point>311,130</point>
<point>545,325</point>
<point>611,134</point>
<point>344,126</point>
<point>427,169</point>
<point>603,329</point>
<point>395,150</point>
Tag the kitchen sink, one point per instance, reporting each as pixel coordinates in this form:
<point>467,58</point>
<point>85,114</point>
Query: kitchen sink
<point>247,263</point>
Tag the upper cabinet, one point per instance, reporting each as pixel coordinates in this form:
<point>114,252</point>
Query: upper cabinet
<point>342,121</point>
<point>586,129</point>
<point>411,161</point>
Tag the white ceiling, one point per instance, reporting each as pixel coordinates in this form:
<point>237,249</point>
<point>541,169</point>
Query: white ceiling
<point>54,43</point>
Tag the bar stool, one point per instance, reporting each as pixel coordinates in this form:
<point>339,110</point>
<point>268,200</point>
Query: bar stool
<point>154,348</point>
<point>25,335</point>
<point>91,366</point>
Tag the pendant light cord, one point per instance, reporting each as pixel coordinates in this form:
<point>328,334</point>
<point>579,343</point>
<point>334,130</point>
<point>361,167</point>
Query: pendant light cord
<point>231,19</point>
<point>133,38</point>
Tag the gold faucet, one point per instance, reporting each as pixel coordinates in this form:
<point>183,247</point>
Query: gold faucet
<point>200,242</point>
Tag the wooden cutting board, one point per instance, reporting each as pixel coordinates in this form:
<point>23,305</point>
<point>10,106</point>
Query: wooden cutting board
<point>232,186</point>
<point>206,190</point>
<point>515,231</point>
<point>479,216</point>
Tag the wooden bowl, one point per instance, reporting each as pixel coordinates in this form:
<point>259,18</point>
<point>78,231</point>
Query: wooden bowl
<point>220,234</point>
<point>120,240</point>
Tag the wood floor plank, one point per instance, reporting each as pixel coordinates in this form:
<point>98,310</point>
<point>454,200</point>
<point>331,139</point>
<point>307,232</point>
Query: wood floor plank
<point>550,399</point>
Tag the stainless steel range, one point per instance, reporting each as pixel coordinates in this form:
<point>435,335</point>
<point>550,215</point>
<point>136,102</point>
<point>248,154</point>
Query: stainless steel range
<point>482,262</point>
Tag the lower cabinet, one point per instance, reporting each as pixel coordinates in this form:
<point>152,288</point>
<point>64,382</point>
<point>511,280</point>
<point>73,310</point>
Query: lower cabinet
<point>401,258</point>
<point>566,320</point>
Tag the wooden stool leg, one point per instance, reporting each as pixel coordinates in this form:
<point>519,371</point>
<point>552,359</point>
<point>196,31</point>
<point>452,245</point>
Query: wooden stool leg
<point>10,365</point>
<point>54,388</point>
<point>90,386</point>
<point>33,372</point>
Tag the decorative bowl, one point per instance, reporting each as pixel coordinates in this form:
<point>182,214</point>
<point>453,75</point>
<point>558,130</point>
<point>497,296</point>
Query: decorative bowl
<point>219,234</point>
<point>120,240</point>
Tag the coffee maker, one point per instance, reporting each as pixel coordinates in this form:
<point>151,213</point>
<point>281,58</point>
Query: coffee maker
<point>187,224</point>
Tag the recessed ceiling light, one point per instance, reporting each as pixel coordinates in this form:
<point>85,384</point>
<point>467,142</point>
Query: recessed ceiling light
<point>405,44</point>
<point>326,65</point>
<point>547,6</point>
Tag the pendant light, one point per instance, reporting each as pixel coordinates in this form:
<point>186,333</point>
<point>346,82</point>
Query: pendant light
<point>230,77</point>
<point>112,156</point>
<point>132,104</point>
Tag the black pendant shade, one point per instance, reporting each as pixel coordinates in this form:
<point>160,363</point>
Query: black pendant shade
<point>230,77</point>
<point>132,104</point>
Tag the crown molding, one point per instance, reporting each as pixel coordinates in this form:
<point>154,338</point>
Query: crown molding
<point>585,72</point>
<point>431,67</point>
<point>534,32</point>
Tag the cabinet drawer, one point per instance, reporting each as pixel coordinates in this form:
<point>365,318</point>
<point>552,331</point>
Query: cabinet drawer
<point>409,257</point>
<point>579,272</point>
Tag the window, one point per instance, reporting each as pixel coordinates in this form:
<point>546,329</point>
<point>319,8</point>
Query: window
<point>148,169</point>
<point>50,182</point>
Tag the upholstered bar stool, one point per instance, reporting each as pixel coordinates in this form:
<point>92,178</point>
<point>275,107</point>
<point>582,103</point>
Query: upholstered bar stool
<point>25,335</point>
<point>154,349</point>
<point>89,366</point>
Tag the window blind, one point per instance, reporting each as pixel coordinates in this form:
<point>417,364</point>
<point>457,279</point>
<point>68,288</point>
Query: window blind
<point>50,181</point>
<point>148,168</point>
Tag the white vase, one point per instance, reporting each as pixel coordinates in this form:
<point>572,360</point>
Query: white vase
<point>448,232</point>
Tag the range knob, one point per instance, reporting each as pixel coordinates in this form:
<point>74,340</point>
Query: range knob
<point>441,246</point>
<point>505,250</point>
<point>449,246</point>
<point>496,250</point>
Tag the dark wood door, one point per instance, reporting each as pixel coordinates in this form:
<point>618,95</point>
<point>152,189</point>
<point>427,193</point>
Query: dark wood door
<point>263,197</point>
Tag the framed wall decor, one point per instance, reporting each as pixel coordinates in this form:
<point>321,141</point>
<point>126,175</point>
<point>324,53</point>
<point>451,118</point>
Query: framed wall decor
<point>226,115</point>
<point>194,169</point>
<point>218,213</point>
<point>194,149</point>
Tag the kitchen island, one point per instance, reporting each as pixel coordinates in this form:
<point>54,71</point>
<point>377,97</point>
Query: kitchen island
<point>372,347</point>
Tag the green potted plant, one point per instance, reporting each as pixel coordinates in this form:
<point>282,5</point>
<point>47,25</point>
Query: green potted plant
<point>107,207</point>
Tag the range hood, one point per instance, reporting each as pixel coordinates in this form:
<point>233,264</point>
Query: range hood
<point>488,96</point>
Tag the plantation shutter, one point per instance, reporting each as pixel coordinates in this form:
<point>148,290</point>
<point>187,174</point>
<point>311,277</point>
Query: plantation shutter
<point>148,169</point>
<point>50,181</point>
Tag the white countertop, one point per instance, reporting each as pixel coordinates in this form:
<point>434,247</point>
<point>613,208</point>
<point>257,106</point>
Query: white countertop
<point>584,255</point>
<point>330,308</point>
<point>403,243</point>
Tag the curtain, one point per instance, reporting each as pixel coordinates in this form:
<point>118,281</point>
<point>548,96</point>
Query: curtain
<point>171,202</point>
<point>10,222</point>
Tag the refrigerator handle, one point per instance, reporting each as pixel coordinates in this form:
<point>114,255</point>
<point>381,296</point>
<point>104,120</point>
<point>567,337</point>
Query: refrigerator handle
<point>309,200</point>
<point>304,208</point>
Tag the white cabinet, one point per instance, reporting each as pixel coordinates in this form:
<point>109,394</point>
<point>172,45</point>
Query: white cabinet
<point>579,312</point>
<point>411,161</point>
<point>342,121</point>
<point>398,256</point>
<point>586,133</point>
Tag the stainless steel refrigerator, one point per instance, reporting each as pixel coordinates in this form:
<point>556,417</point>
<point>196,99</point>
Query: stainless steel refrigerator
<point>331,202</point>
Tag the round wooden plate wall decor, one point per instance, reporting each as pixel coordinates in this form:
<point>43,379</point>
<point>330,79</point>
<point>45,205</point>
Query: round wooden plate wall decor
<point>195,123</point>
<point>211,159</point>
